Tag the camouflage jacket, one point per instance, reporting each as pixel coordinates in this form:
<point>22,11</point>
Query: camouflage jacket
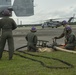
<point>71,39</point>
<point>31,38</point>
<point>7,23</point>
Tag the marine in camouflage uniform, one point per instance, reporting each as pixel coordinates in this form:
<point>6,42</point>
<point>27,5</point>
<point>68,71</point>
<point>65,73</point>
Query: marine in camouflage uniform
<point>70,39</point>
<point>32,40</point>
<point>69,36</point>
<point>7,25</point>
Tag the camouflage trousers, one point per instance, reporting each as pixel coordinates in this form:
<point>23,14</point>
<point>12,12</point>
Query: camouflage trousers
<point>70,47</point>
<point>7,37</point>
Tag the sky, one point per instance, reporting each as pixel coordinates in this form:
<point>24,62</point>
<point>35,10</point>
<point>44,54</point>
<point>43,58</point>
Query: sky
<point>49,9</point>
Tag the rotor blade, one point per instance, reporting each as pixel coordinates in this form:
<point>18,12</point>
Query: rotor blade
<point>23,7</point>
<point>5,2</point>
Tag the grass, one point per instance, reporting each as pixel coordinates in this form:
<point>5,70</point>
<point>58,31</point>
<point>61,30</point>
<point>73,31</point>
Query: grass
<point>38,63</point>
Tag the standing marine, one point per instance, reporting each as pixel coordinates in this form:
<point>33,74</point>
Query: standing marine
<point>32,40</point>
<point>7,24</point>
<point>65,24</point>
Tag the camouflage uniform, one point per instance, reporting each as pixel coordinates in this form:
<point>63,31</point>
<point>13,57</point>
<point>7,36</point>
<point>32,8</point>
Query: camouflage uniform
<point>7,25</point>
<point>70,39</point>
<point>32,41</point>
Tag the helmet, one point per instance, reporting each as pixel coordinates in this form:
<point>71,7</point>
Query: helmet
<point>6,12</point>
<point>68,28</point>
<point>33,29</point>
<point>64,22</point>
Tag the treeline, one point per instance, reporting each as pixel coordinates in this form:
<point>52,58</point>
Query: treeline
<point>73,23</point>
<point>26,25</point>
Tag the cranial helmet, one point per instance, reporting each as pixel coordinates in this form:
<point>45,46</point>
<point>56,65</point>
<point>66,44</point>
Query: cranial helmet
<point>64,22</point>
<point>68,28</point>
<point>6,12</point>
<point>33,29</point>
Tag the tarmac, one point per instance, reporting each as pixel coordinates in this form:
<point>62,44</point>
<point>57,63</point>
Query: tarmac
<point>43,34</point>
